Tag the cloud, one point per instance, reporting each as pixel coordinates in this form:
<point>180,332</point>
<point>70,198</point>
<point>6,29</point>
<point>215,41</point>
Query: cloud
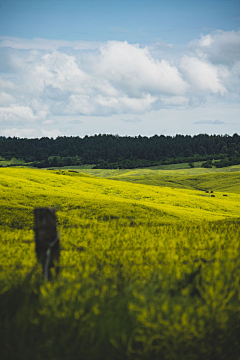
<point>30,133</point>
<point>220,47</point>
<point>41,109</point>
<point>106,105</point>
<point>135,71</point>
<point>209,122</point>
<point>52,78</point>
<point>175,100</point>
<point>6,84</point>
<point>6,99</point>
<point>134,120</point>
<point>206,40</point>
<point>202,75</point>
<point>80,104</point>
<point>56,70</point>
<point>16,113</point>
<point>127,104</point>
<point>51,133</point>
<point>49,122</point>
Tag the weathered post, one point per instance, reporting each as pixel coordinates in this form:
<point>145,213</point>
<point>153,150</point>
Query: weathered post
<point>47,240</point>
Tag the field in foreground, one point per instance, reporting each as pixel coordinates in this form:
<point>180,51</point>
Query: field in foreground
<point>147,272</point>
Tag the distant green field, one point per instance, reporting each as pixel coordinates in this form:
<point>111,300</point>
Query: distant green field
<point>166,170</point>
<point>77,167</point>
<point>178,169</point>
<point>13,161</point>
<point>225,182</point>
<point>176,166</point>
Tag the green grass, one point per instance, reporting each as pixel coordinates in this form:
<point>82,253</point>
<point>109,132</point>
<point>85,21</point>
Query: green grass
<point>73,167</point>
<point>168,170</point>
<point>158,167</point>
<point>11,162</point>
<point>176,166</point>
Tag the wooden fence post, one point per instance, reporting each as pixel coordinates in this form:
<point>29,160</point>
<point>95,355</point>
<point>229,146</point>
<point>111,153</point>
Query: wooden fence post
<point>47,240</point>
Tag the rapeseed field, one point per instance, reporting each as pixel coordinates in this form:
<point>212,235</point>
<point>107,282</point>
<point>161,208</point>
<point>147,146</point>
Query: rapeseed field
<point>147,271</point>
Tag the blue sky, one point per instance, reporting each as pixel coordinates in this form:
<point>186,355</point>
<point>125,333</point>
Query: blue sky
<point>144,21</point>
<point>119,66</point>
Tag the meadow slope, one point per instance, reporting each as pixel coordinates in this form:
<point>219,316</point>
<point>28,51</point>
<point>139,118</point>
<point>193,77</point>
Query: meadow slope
<point>224,179</point>
<point>174,169</point>
<point>76,195</point>
<point>223,182</point>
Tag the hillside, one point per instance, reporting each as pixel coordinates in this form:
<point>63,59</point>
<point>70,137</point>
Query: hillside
<point>223,182</point>
<point>77,195</point>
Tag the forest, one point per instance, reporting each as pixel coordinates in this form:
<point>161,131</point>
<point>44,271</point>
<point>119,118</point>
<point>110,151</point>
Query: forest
<point>106,151</point>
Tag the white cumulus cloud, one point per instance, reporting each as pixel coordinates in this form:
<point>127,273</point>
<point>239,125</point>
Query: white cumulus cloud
<point>6,98</point>
<point>80,104</point>
<point>202,75</point>
<point>135,71</point>
<point>57,70</point>
<point>219,47</point>
<point>16,113</point>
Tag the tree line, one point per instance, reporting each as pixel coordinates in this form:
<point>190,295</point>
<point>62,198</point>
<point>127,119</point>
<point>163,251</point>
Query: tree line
<point>113,151</point>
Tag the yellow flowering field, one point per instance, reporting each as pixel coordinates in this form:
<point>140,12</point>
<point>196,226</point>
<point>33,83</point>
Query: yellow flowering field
<point>146,271</point>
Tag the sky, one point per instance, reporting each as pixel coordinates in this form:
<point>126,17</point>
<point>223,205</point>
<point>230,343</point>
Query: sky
<point>126,67</point>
